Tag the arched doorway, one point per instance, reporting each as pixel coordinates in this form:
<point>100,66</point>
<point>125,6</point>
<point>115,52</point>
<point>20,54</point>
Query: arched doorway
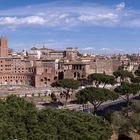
<point>61,75</point>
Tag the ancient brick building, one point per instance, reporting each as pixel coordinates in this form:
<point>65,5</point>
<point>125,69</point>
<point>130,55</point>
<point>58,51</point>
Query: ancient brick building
<point>3,47</point>
<point>41,67</point>
<point>14,71</point>
<point>45,72</point>
<point>80,70</point>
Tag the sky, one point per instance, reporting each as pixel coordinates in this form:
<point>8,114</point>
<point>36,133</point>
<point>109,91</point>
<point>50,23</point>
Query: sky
<point>93,26</point>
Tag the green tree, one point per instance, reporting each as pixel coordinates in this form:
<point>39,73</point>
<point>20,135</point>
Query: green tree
<point>53,97</point>
<point>20,120</point>
<point>127,89</point>
<point>70,125</point>
<point>101,78</point>
<point>136,80</point>
<point>124,75</point>
<point>96,96</point>
<point>13,115</point>
<point>137,72</point>
<point>128,120</point>
<point>69,85</point>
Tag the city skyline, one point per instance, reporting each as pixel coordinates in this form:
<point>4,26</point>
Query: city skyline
<point>92,26</point>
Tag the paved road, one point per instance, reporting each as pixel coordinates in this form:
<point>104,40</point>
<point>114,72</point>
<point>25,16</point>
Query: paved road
<point>113,105</point>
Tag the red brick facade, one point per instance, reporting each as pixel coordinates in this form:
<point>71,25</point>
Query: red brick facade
<point>52,65</point>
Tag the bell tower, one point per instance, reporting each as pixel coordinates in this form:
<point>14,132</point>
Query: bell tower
<point>3,47</point>
<point>71,54</point>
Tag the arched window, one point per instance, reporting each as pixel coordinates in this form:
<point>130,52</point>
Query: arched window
<point>78,75</point>
<point>74,74</point>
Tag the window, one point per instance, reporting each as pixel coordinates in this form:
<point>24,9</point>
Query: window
<point>74,74</point>
<point>55,78</point>
<point>78,75</point>
<point>45,78</point>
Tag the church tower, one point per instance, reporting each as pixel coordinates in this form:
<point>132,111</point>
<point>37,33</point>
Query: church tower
<point>71,54</point>
<point>3,47</point>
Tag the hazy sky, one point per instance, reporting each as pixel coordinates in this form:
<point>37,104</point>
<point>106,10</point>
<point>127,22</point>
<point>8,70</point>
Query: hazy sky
<point>96,26</point>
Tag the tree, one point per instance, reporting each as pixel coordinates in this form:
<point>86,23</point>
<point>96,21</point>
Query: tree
<point>68,85</point>
<point>20,119</point>
<point>127,121</point>
<point>137,72</point>
<point>101,78</point>
<point>124,75</point>
<point>53,97</point>
<point>70,125</point>
<point>16,115</point>
<point>136,80</point>
<point>96,96</point>
<point>127,89</point>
